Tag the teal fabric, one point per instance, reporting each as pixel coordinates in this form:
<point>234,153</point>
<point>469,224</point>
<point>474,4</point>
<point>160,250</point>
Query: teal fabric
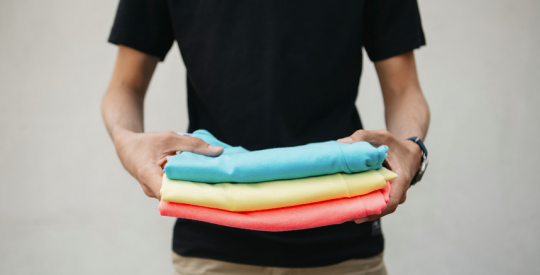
<point>237,164</point>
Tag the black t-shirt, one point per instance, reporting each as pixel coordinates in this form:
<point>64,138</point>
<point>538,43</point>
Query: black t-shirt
<point>273,73</point>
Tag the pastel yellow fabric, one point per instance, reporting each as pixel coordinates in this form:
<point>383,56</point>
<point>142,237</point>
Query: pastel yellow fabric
<point>241,197</point>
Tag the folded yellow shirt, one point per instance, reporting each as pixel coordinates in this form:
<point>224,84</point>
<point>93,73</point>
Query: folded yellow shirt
<point>274,194</point>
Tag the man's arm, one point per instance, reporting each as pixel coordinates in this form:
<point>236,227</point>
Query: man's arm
<point>407,115</point>
<point>142,154</point>
<point>406,110</point>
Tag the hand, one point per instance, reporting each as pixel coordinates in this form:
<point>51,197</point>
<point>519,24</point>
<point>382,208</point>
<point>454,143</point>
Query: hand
<point>144,155</point>
<point>403,159</point>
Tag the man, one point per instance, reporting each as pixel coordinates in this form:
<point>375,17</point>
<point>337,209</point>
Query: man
<point>264,74</point>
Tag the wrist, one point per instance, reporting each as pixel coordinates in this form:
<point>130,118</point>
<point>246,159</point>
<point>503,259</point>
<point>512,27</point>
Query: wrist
<point>423,161</point>
<point>121,135</point>
<point>416,155</point>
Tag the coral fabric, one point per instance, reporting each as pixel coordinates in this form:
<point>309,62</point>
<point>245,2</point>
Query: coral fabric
<point>237,164</point>
<point>274,194</point>
<point>288,218</point>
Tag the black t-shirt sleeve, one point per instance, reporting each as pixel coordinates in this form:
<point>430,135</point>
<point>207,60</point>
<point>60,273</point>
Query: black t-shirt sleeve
<point>391,27</point>
<point>144,25</point>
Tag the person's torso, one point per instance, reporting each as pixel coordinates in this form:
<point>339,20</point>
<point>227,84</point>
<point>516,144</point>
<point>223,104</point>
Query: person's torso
<point>265,74</point>
<point>271,73</point>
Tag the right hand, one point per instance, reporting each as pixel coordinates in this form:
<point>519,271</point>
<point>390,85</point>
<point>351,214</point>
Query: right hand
<point>144,155</point>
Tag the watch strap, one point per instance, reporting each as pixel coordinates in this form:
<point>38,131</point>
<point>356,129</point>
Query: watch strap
<point>418,141</point>
<point>420,173</point>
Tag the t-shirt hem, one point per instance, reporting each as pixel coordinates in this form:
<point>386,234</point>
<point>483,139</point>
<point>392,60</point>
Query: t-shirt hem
<point>122,37</point>
<point>395,47</point>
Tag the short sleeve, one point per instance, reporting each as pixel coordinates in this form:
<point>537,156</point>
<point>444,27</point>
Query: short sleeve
<point>391,27</point>
<point>144,25</point>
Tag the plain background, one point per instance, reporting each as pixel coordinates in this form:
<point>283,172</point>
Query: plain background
<point>68,207</point>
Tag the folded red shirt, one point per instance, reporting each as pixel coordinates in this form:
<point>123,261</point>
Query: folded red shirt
<point>287,218</point>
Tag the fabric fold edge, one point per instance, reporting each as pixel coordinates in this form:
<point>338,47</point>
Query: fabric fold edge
<point>355,185</point>
<point>288,218</point>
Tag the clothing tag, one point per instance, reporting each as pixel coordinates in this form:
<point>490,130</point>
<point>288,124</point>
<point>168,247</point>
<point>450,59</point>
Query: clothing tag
<point>376,228</point>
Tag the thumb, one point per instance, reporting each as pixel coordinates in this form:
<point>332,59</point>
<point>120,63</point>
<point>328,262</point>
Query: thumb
<point>197,146</point>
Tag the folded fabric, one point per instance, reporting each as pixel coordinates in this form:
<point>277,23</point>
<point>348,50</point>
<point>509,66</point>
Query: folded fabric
<point>237,164</point>
<point>274,194</point>
<point>288,218</point>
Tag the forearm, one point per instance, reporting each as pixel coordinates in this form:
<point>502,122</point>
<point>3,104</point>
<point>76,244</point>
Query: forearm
<point>122,110</point>
<point>122,105</point>
<point>406,109</point>
<point>407,114</point>
<point>142,154</point>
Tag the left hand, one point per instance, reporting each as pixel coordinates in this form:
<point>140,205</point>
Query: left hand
<point>403,159</point>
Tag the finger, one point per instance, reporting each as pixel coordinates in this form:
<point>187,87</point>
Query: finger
<point>403,198</point>
<point>162,161</point>
<point>374,217</point>
<point>390,208</point>
<point>194,145</point>
<point>150,179</point>
<point>345,140</point>
<point>147,191</point>
<point>356,136</point>
<point>375,138</point>
<point>156,182</point>
<point>395,197</point>
<point>361,220</point>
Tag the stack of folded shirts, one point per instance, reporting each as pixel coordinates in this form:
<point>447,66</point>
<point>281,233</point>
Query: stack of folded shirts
<point>277,189</point>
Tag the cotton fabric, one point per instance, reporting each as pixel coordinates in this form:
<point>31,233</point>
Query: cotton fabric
<point>274,194</point>
<point>289,218</point>
<point>237,164</point>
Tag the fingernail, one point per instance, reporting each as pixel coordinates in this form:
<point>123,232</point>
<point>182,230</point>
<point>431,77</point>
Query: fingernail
<point>361,220</point>
<point>345,140</point>
<point>213,147</point>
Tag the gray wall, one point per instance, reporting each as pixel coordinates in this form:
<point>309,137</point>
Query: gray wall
<point>67,206</point>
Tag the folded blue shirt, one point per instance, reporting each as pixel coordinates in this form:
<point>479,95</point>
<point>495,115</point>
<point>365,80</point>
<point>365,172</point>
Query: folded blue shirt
<point>237,164</point>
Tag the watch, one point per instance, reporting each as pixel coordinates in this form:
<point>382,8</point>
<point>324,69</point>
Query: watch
<point>423,164</point>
